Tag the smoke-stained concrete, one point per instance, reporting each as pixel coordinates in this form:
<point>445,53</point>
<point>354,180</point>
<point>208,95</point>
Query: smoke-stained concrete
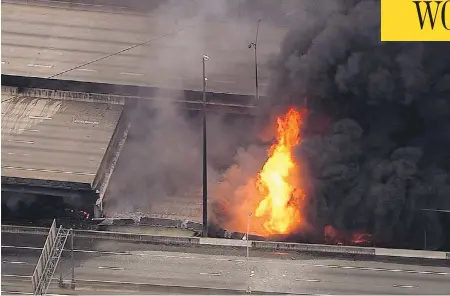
<point>377,141</point>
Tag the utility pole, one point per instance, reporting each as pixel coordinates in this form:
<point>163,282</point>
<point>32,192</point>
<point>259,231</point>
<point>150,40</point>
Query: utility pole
<point>72,255</point>
<point>254,45</point>
<point>205,172</point>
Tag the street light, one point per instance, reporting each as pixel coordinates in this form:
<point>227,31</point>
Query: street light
<point>425,228</point>
<point>254,45</point>
<point>248,257</point>
<point>205,172</point>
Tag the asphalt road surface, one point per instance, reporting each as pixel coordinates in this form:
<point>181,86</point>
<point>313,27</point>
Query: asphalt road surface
<point>43,40</point>
<point>226,269</point>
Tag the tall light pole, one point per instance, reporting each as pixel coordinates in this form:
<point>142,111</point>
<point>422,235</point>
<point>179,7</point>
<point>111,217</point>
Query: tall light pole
<point>425,228</point>
<point>254,45</point>
<point>249,290</point>
<point>205,172</point>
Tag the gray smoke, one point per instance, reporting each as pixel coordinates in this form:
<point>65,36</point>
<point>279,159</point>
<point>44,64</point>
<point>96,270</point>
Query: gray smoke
<point>378,144</point>
<point>161,160</point>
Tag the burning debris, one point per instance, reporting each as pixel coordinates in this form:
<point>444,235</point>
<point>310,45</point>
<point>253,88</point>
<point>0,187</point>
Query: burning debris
<point>334,236</point>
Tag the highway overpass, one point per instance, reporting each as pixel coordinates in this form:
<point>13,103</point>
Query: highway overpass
<point>58,147</point>
<point>44,38</point>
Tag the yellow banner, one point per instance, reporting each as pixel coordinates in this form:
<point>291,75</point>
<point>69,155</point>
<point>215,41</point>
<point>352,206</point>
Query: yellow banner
<point>408,20</point>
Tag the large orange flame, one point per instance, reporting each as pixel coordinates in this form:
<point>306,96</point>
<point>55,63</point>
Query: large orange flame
<point>278,181</point>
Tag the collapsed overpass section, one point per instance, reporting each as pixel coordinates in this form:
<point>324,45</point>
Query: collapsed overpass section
<point>64,138</point>
<point>58,147</point>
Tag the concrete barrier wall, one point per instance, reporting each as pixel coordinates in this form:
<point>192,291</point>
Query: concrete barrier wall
<point>224,242</point>
<point>265,245</point>
<point>162,222</point>
<point>132,237</point>
<point>262,245</point>
<point>107,235</point>
<point>25,230</point>
<point>64,95</point>
<point>410,253</point>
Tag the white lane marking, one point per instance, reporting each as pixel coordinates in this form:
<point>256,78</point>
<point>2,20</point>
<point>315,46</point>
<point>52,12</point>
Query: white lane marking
<point>319,265</point>
<point>372,268</point>
<point>395,270</point>
<point>21,141</point>
<point>211,273</point>
<point>111,267</point>
<point>131,74</point>
<point>426,272</point>
<point>348,267</point>
<point>87,70</point>
<point>404,286</point>
<point>5,63</point>
<point>442,273</point>
<point>85,121</point>
<point>40,66</point>
<point>224,81</point>
<point>308,280</point>
<point>20,154</point>
<point>39,117</point>
<point>28,130</point>
<point>14,262</point>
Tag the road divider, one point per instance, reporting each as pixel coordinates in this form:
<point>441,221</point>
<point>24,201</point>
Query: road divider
<point>108,235</point>
<point>241,243</point>
<point>410,253</point>
<point>313,248</point>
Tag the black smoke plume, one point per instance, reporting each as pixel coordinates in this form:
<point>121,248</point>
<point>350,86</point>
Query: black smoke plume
<point>377,141</point>
<point>378,144</point>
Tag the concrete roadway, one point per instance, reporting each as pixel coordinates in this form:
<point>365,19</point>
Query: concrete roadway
<point>55,140</point>
<point>224,268</point>
<point>40,41</point>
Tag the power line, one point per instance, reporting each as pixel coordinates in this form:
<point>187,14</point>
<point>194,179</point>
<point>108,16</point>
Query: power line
<point>110,55</point>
